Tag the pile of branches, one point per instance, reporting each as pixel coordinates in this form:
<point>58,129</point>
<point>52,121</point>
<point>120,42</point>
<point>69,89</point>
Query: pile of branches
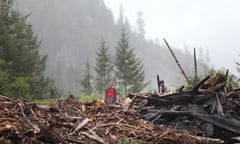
<point>74,122</point>
<point>210,109</point>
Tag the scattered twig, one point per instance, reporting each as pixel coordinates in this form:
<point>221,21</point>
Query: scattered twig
<point>80,125</point>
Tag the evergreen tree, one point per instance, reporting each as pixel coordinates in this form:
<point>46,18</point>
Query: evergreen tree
<point>129,70</point>
<point>86,81</point>
<point>19,49</point>
<point>103,68</point>
<point>4,75</point>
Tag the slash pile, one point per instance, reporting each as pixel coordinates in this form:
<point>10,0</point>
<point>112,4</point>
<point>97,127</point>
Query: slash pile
<point>210,109</point>
<point>73,122</point>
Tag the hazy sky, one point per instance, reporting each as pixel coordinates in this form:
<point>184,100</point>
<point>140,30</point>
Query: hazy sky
<point>213,25</point>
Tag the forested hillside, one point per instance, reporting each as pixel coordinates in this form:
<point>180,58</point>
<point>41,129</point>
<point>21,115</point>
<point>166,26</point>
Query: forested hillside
<point>71,33</point>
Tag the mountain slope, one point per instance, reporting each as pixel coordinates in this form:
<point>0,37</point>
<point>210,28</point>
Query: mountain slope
<point>71,31</point>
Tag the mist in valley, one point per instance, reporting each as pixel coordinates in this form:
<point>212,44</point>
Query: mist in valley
<point>71,32</point>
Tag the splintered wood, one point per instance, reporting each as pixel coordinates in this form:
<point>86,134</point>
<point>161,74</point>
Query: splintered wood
<point>70,121</point>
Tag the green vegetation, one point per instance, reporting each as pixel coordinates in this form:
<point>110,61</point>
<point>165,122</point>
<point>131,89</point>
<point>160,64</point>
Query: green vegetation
<point>22,67</point>
<point>103,68</point>
<point>90,98</point>
<point>193,80</point>
<point>121,93</point>
<point>86,81</point>
<point>129,69</point>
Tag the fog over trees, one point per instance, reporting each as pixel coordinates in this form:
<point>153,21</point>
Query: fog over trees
<point>71,34</point>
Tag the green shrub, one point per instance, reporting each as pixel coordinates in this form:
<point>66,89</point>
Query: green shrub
<point>90,98</point>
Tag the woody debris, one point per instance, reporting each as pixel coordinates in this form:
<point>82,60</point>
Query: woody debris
<point>207,114</point>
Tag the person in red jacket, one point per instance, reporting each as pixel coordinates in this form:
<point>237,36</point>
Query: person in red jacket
<point>111,96</point>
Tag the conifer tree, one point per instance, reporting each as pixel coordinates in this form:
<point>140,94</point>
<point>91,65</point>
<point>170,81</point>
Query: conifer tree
<point>129,69</point>
<point>19,50</point>
<point>103,68</point>
<point>86,81</point>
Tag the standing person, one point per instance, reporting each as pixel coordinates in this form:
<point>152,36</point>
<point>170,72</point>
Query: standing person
<point>163,88</point>
<point>111,96</point>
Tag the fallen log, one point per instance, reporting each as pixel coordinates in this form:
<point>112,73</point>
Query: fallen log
<point>221,122</point>
<point>179,99</point>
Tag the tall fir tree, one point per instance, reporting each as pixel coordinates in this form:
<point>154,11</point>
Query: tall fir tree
<point>103,67</point>
<point>86,84</point>
<point>19,49</point>
<point>129,68</point>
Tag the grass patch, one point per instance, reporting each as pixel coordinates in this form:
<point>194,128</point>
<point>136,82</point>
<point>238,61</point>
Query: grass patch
<point>90,98</point>
<point>86,98</point>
